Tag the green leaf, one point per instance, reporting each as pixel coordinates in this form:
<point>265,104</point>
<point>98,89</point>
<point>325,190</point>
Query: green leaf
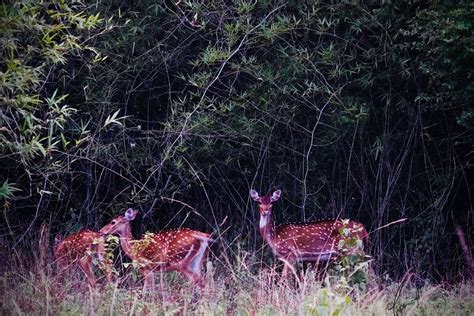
<point>7,190</point>
<point>113,119</point>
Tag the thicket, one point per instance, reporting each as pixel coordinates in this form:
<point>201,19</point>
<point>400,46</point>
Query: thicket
<point>179,108</point>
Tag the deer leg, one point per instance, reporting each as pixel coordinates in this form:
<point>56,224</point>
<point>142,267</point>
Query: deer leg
<point>86,265</point>
<point>108,270</point>
<point>61,267</point>
<point>195,264</point>
<point>106,262</point>
<point>284,272</point>
<point>194,276</point>
<point>288,265</point>
<point>191,268</point>
<point>202,254</point>
<point>148,279</point>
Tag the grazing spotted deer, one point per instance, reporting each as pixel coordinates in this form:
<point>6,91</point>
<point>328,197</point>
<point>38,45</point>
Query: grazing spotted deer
<point>182,250</point>
<point>311,242</point>
<point>80,249</point>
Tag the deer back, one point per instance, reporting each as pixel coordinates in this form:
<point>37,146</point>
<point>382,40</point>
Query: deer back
<point>321,236</point>
<point>168,247</point>
<point>76,245</point>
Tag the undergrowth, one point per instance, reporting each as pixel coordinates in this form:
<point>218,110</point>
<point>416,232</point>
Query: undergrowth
<point>245,287</point>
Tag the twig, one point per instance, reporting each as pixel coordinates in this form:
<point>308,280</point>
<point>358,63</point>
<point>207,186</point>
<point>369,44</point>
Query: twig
<point>390,224</point>
<point>178,201</point>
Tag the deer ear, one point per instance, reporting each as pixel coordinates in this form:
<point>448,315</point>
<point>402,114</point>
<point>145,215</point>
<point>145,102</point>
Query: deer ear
<point>130,214</point>
<point>276,195</point>
<point>254,195</point>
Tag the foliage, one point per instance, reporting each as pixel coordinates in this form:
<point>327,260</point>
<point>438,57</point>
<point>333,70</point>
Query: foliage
<point>226,291</point>
<point>7,190</point>
<point>42,45</point>
<point>37,40</point>
<point>360,111</point>
<point>352,267</point>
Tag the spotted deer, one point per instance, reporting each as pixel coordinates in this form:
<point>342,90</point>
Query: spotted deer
<point>182,250</point>
<point>310,242</point>
<point>80,249</point>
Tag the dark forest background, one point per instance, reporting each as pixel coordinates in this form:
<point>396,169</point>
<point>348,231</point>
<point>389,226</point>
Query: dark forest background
<point>178,108</point>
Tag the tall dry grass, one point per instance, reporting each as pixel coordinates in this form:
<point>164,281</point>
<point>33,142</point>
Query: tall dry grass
<point>241,286</point>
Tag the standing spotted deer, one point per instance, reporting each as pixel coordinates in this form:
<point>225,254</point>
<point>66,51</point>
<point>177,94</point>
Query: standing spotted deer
<point>310,242</point>
<point>182,250</point>
<point>80,249</point>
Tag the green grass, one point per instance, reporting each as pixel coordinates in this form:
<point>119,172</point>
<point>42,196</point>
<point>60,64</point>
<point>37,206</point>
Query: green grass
<point>235,290</point>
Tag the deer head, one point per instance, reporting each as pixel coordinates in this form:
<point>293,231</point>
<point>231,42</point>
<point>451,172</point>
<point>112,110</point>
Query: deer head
<point>120,223</point>
<point>265,202</point>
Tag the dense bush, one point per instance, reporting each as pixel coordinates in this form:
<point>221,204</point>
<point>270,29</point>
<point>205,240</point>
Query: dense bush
<point>179,108</point>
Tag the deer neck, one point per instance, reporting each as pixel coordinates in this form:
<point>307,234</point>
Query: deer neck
<point>125,241</point>
<point>267,230</point>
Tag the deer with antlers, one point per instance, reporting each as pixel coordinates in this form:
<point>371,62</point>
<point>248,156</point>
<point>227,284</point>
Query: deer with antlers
<point>310,242</point>
<point>182,250</point>
<point>80,249</point>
